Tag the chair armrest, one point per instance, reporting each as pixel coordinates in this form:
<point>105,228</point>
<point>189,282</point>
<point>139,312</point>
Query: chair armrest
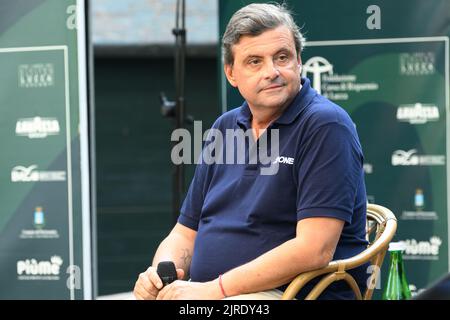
<point>376,248</point>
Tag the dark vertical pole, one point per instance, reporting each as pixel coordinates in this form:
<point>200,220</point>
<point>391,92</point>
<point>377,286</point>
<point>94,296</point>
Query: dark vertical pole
<point>180,50</point>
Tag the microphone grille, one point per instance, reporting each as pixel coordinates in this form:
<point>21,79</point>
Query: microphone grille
<point>167,272</point>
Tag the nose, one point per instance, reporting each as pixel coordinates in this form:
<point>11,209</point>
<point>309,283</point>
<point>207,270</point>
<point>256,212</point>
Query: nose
<point>271,71</point>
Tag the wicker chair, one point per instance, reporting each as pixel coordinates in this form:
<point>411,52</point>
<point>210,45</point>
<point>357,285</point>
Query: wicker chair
<point>381,227</point>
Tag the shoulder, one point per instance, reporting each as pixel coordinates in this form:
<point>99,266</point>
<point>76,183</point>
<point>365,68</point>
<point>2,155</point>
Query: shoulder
<point>323,112</point>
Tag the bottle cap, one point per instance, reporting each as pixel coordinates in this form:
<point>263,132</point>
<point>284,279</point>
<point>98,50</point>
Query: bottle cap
<point>397,246</point>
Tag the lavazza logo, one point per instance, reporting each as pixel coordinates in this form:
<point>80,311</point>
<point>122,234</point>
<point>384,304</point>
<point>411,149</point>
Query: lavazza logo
<point>411,158</point>
<point>332,85</point>
<point>422,250</point>
<point>39,75</point>
<point>31,269</point>
<point>417,113</point>
<point>37,127</point>
<point>31,174</point>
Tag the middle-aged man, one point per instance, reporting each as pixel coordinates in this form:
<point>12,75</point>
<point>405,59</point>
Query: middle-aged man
<point>243,234</point>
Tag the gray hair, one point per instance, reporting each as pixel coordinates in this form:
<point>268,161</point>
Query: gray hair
<point>253,20</point>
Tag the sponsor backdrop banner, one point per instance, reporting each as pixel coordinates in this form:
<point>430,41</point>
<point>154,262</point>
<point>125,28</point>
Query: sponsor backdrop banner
<point>44,212</point>
<point>387,64</point>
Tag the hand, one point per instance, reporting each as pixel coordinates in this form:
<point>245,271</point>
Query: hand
<point>149,284</point>
<point>184,290</point>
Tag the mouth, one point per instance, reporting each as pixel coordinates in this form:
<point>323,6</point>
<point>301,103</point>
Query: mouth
<point>273,87</point>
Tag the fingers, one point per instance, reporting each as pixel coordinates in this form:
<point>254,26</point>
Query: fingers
<point>145,282</point>
<point>143,290</point>
<point>154,278</point>
<point>161,293</point>
<point>137,295</point>
<point>148,285</point>
<point>165,294</point>
<point>140,293</point>
<point>180,274</point>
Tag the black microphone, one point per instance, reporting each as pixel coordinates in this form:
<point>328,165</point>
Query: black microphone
<point>167,272</point>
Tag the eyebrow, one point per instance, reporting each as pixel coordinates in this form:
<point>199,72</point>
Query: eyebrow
<point>252,56</point>
<point>282,50</point>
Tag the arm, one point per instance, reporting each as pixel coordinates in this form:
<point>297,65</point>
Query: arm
<point>178,247</point>
<point>312,248</point>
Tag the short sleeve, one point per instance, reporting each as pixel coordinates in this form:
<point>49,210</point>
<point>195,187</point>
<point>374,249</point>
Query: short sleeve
<point>193,203</point>
<point>329,173</point>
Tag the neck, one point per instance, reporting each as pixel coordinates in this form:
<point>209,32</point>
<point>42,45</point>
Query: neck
<point>263,117</point>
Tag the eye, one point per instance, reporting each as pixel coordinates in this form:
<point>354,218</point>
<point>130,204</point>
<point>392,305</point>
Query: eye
<point>283,58</point>
<point>253,62</point>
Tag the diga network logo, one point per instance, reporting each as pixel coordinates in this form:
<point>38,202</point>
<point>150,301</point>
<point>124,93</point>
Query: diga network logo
<point>411,158</point>
<point>31,174</point>
<point>31,269</point>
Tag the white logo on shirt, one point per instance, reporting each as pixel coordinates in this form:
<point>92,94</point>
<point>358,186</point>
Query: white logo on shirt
<point>285,160</point>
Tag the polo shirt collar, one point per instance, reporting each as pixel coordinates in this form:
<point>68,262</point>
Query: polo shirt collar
<point>301,100</point>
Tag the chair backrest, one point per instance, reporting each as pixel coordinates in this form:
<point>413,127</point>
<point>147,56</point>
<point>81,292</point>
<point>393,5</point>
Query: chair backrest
<point>380,229</point>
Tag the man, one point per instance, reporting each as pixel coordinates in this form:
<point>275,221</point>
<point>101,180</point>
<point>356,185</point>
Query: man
<point>250,234</point>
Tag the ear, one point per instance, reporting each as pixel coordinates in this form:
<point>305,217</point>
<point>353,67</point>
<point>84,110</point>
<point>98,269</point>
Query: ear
<point>299,64</point>
<point>228,69</point>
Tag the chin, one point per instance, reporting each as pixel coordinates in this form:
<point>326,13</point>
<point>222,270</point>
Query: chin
<point>274,103</point>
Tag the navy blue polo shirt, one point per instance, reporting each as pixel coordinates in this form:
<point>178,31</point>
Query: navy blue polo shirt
<point>239,214</point>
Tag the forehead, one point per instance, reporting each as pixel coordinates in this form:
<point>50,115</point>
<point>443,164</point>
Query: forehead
<point>266,43</point>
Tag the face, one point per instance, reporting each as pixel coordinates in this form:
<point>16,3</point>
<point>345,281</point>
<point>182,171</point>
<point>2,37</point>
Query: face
<point>266,69</point>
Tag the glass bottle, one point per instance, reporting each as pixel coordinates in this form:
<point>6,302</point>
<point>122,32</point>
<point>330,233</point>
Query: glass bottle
<point>397,287</point>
